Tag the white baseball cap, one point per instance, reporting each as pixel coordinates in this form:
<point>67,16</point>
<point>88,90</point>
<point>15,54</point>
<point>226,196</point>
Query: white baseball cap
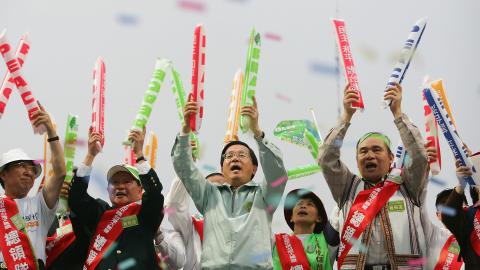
<point>124,168</point>
<point>18,154</point>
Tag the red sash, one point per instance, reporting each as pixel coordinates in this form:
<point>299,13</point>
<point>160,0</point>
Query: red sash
<point>108,230</point>
<point>291,252</point>
<point>366,206</point>
<point>448,258</point>
<point>14,242</point>
<point>56,245</point>
<point>198,225</point>
<point>475,235</point>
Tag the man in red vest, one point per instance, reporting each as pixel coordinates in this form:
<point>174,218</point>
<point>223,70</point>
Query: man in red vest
<point>122,234</point>
<point>379,208</point>
<point>26,220</point>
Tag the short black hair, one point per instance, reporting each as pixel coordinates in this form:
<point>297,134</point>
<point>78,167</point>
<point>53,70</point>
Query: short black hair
<point>443,195</point>
<point>225,148</point>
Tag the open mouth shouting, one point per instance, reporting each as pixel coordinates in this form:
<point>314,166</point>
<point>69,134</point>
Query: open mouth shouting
<point>302,213</point>
<point>371,166</point>
<point>119,194</point>
<point>235,168</point>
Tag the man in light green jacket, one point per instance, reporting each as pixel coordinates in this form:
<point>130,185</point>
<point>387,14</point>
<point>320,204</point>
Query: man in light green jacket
<point>238,214</point>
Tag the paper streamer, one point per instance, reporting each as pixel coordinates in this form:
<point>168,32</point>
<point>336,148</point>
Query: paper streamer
<point>293,131</point>
<point>180,100</point>
<point>47,160</point>
<point>151,149</point>
<point>14,67</point>
<point>440,89</point>
<point>129,157</point>
<point>8,83</point>
<point>348,65</point>
<point>98,101</point>
<point>431,129</point>
<point>251,72</point>
<point>150,96</point>
<point>69,148</point>
<point>303,171</point>
<point>234,108</point>
<point>198,76</point>
<point>450,133</point>
<point>406,56</point>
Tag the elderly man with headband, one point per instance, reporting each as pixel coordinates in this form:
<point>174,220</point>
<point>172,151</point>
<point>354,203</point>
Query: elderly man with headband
<point>378,208</point>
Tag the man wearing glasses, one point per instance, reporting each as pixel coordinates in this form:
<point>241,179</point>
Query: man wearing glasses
<point>25,220</point>
<point>238,213</point>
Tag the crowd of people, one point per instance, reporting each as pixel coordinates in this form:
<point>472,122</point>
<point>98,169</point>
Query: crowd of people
<point>380,221</point>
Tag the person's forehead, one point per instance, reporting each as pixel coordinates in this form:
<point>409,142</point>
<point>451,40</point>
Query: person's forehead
<point>29,162</point>
<point>237,148</point>
<point>371,142</point>
<point>304,200</point>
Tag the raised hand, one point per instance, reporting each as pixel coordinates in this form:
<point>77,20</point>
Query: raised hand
<point>138,138</point>
<point>252,112</point>
<point>394,93</point>
<point>191,107</point>
<point>349,96</point>
<point>43,118</point>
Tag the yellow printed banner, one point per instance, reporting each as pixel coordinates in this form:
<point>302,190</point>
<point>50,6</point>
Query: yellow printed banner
<point>234,108</point>
<point>151,149</point>
<point>440,89</point>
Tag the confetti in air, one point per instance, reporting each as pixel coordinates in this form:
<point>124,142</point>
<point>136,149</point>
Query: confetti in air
<point>438,181</point>
<point>208,168</point>
<point>272,36</point>
<point>324,68</point>
<point>417,262</point>
<point>168,210</point>
<point>283,97</point>
<point>111,248</point>
<point>304,191</point>
<point>192,5</point>
<point>126,264</point>
<point>127,19</point>
<point>38,161</point>
<point>358,244</point>
<point>447,211</point>
<point>261,257</point>
<point>290,201</point>
<point>279,181</point>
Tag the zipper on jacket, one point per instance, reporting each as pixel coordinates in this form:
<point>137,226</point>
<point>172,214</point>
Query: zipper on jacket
<point>233,199</point>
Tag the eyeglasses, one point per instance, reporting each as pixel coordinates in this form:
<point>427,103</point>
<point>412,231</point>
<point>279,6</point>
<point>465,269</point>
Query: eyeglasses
<point>25,165</point>
<point>240,155</point>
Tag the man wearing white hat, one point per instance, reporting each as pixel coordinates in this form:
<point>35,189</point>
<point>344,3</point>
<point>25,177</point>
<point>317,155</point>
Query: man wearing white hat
<point>25,220</point>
